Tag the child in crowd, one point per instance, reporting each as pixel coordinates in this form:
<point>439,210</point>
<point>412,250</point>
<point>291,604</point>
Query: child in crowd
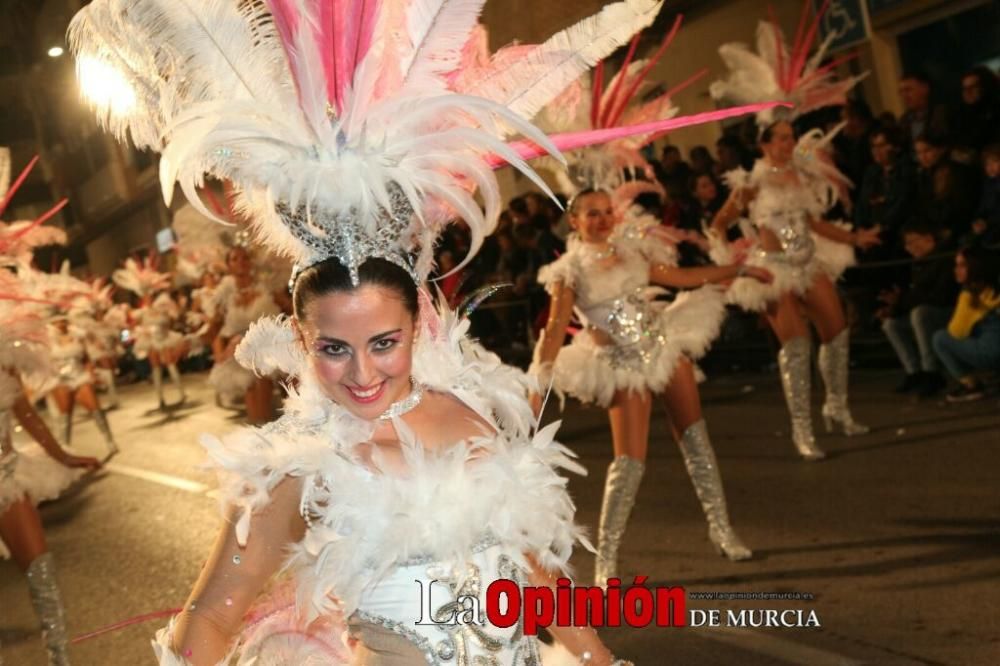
<point>911,315</point>
<point>971,343</point>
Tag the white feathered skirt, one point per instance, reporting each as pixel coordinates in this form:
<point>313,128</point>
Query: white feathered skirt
<point>29,471</point>
<point>593,373</point>
<point>829,258</point>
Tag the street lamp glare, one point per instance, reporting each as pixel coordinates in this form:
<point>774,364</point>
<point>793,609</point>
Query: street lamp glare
<point>105,86</point>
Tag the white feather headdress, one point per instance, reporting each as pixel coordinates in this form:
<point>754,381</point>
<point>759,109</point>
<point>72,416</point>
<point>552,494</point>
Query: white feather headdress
<point>336,120</point>
<point>777,72</point>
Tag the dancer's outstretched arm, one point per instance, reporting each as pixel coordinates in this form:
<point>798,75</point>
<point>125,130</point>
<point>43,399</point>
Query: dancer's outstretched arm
<point>560,312</point>
<point>234,575</point>
<point>35,426</point>
<point>861,238</point>
<point>686,278</point>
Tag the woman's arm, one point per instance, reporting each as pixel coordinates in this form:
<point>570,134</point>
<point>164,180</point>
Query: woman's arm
<point>731,210</point>
<point>862,238</point>
<point>33,424</point>
<point>560,312</point>
<point>233,576</point>
<point>672,276</point>
<point>578,640</point>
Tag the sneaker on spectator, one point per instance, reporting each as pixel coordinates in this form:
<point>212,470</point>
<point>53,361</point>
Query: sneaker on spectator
<point>966,393</point>
<point>931,384</point>
<point>910,383</point>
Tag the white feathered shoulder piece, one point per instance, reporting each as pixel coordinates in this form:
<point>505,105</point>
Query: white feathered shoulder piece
<point>335,120</point>
<point>779,72</point>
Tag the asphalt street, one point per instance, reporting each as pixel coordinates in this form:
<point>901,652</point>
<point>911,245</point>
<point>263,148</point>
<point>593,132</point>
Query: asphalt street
<point>896,537</point>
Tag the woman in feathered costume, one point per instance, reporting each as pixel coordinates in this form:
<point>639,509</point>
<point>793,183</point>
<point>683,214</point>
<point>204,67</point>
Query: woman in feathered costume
<point>29,475</point>
<point>155,320</point>
<point>406,453</point>
<point>103,321</point>
<point>73,367</point>
<point>785,197</point>
<point>632,347</point>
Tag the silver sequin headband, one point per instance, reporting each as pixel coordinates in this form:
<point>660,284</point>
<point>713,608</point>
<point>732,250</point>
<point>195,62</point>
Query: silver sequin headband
<point>342,237</point>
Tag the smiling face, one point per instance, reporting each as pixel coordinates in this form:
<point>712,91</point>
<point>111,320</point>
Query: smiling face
<point>780,145</point>
<point>593,217</point>
<point>360,345</point>
<point>238,262</point>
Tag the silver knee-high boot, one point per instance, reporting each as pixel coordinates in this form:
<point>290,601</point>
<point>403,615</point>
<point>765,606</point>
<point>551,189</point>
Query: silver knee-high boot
<point>102,424</point>
<point>175,375</point>
<point>107,376</point>
<point>620,489</point>
<point>66,425</point>
<point>793,360</point>
<point>158,385</point>
<point>703,468</point>
<point>48,606</point>
<point>834,359</point>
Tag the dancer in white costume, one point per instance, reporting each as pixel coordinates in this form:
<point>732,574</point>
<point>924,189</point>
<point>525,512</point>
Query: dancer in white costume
<point>29,475</point>
<point>632,347</point>
<point>406,453</point>
<point>785,197</point>
<point>239,300</point>
<point>103,322</point>
<point>155,319</point>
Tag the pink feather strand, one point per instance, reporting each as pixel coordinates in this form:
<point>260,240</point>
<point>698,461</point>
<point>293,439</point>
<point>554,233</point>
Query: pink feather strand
<point>138,619</point>
<point>595,102</point>
<point>568,141</point>
<point>17,184</point>
<point>42,219</point>
<point>807,43</point>
<point>613,99</point>
<point>825,69</point>
<point>801,28</point>
<point>667,41</point>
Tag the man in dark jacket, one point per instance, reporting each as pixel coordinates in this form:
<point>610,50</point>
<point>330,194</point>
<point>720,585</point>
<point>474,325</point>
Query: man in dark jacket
<point>913,314</point>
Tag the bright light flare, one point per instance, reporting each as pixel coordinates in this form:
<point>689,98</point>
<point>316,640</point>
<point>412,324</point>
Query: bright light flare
<point>55,51</point>
<point>105,86</point>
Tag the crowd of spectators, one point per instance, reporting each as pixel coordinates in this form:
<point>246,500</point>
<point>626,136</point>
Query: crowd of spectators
<point>929,180</point>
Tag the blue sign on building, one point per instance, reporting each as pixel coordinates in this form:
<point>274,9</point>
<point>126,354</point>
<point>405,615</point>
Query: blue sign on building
<point>846,19</point>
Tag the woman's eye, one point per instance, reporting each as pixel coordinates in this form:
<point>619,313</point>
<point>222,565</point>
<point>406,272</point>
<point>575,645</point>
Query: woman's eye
<point>384,345</point>
<point>333,350</point>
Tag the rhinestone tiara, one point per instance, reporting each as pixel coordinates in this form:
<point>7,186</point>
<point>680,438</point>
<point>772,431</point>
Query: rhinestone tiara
<point>343,236</point>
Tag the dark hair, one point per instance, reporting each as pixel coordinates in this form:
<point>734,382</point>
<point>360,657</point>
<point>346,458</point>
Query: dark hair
<point>922,226</point>
<point>988,82</point>
<point>981,268</point>
<point>670,148</point>
<point>890,134</point>
<point>650,202</point>
<point>768,133</point>
<point>991,152</point>
<point>933,139</point>
<point>859,108</point>
<point>519,205</point>
<point>916,76</point>
<point>331,276</point>
<point>574,203</point>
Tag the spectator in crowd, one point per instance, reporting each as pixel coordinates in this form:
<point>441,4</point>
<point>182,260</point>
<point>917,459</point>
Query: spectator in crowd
<point>886,193</point>
<point>518,211</point>
<point>702,161</point>
<point>971,343</point>
<point>912,315</point>
<point>852,148</point>
<point>672,169</point>
<point>986,220</point>
<point>922,115</point>
<point>731,154</point>
<point>947,191</point>
<point>549,245</point>
<point>978,116</point>
<point>707,197</point>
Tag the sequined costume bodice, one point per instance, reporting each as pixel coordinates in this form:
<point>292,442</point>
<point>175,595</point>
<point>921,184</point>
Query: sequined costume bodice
<point>784,205</point>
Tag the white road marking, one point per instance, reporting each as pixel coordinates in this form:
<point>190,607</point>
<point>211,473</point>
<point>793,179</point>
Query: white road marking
<point>156,477</point>
<point>779,648</point>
